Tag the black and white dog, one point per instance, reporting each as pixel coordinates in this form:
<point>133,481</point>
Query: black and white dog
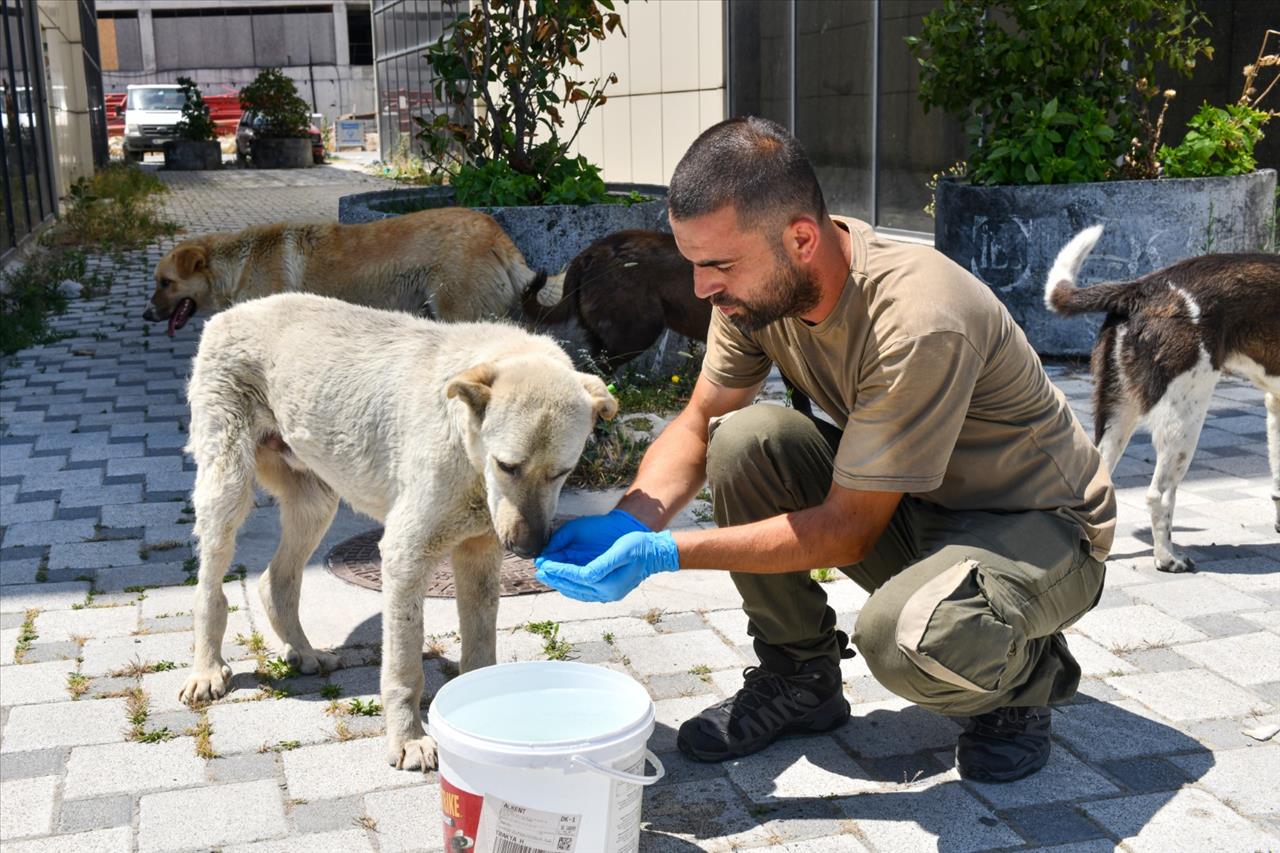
<point>1167,338</point>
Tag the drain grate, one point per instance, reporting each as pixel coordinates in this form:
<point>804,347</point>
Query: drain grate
<point>357,561</point>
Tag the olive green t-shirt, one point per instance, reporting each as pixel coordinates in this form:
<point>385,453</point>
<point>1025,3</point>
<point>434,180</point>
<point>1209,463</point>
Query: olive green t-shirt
<point>937,390</point>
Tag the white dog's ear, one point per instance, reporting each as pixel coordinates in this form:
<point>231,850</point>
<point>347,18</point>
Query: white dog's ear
<point>474,386</point>
<point>605,405</point>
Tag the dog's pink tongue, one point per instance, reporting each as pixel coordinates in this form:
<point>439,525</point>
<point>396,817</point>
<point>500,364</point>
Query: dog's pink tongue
<point>180,315</point>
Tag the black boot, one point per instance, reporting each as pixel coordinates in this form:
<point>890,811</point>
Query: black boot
<point>1004,745</point>
<point>769,705</point>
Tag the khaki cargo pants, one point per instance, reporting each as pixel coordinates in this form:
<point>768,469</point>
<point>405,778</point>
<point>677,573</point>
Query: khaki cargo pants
<point>966,608</point>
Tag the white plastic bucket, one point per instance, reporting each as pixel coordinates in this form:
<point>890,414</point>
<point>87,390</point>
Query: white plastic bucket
<point>542,757</point>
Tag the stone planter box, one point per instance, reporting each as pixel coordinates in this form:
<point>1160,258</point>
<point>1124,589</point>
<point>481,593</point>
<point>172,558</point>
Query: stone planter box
<point>192,154</point>
<point>549,236</point>
<point>1009,236</point>
<point>280,153</point>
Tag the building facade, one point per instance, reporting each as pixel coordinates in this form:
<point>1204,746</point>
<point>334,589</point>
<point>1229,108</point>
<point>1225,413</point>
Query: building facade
<point>325,47</point>
<point>837,73</point>
<point>51,122</point>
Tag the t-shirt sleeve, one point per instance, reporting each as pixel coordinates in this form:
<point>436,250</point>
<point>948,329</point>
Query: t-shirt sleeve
<point>733,359</point>
<point>912,400</point>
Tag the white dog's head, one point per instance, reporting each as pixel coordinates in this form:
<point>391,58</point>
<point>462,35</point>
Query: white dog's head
<point>529,421</point>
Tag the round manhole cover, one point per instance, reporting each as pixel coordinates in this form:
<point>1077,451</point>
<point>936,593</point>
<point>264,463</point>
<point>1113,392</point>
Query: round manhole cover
<point>357,561</point>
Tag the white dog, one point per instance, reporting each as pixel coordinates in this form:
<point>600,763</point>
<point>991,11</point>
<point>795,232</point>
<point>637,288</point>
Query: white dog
<point>1167,338</point>
<point>458,437</point>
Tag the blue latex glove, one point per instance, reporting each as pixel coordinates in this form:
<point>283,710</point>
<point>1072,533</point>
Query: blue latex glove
<point>617,571</point>
<point>583,539</point>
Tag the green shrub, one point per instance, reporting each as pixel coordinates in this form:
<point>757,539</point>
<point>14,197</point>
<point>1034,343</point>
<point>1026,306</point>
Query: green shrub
<point>508,71</point>
<point>196,123</point>
<point>1219,141</point>
<point>273,96</point>
<point>1055,92</point>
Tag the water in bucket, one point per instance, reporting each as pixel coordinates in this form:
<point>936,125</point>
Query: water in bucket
<point>542,757</point>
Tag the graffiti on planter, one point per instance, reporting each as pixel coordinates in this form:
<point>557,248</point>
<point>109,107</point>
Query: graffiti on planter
<point>1000,251</point>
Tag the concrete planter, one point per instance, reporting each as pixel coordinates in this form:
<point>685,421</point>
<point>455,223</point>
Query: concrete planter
<point>192,154</point>
<point>548,236</point>
<point>280,153</point>
<point>1009,236</point>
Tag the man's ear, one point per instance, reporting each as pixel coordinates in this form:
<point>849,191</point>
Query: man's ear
<point>190,259</point>
<point>605,405</point>
<point>474,386</point>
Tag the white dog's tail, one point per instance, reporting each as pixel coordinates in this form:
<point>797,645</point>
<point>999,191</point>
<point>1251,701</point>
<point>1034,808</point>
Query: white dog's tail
<point>1060,291</point>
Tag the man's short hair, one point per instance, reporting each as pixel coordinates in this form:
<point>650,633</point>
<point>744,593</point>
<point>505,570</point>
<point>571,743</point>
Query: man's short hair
<point>753,164</point>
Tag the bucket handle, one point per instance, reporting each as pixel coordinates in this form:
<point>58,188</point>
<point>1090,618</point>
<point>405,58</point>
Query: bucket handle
<point>622,775</point>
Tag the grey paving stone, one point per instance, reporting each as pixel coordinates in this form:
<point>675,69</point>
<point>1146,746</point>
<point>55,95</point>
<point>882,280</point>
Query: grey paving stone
<point>1055,823</point>
<point>95,622</point>
<point>247,726</point>
<point>895,727</point>
<point>132,515</point>
<point>102,496</point>
<point>8,644</point>
<point>397,816</point>
<point>1244,779</point>
<point>175,721</point>
<point>676,685</point>
<point>350,840</point>
<point>1147,775</point>
<point>1138,627</point>
<point>18,571</point>
<point>927,816</point>
<point>27,513</point>
<point>1101,731</point>
<point>93,555</point>
<point>46,596</point>
<point>27,765</point>
<point>28,807</point>
<point>153,574</point>
<point>674,623</point>
<point>704,814</point>
<point>246,767</point>
<point>64,650</point>
<point>88,721</point>
<point>132,768</point>
<point>324,815</point>
<point>1156,660</point>
<point>47,532</point>
<point>99,813</point>
<point>1223,624</point>
<point>35,683</point>
<point>173,820</point>
<point>673,653</point>
<point>1191,694</point>
<point>102,657</point>
<point>799,767</point>
<point>117,840</point>
<point>1065,777</point>
<point>1196,596</point>
<point>1185,820</point>
<point>335,770</point>
<point>1246,659</point>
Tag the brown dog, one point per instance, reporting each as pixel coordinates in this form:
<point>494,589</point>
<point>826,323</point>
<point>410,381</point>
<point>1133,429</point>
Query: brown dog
<point>618,296</point>
<point>449,263</point>
<point>620,293</point>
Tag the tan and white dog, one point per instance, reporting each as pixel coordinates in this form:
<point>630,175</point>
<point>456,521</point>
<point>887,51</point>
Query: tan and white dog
<point>1166,340</point>
<point>458,437</point>
<point>449,263</point>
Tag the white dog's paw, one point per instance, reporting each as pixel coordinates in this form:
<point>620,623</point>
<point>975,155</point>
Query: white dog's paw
<point>311,661</point>
<point>1176,564</point>
<point>205,685</point>
<point>417,754</point>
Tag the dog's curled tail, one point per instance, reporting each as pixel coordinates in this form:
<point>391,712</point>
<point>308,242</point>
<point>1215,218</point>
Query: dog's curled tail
<point>1060,291</point>
<point>548,307</point>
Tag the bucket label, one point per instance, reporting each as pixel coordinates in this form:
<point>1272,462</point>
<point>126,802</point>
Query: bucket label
<point>507,827</point>
<point>461,813</point>
<point>624,811</point>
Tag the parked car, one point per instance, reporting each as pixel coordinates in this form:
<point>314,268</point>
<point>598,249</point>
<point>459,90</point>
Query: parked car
<point>151,115</point>
<point>251,123</point>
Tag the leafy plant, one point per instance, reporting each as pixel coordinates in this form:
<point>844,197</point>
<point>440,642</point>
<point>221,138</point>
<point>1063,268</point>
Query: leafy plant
<point>520,62</point>
<point>1055,92</point>
<point>273,96</point>
<point>1220,140</point>
<point>195,124</point>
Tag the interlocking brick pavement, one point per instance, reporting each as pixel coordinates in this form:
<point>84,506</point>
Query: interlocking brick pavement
<point>95,623</point>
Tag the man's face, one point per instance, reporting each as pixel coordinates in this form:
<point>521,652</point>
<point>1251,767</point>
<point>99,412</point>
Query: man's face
<point>747,275</point>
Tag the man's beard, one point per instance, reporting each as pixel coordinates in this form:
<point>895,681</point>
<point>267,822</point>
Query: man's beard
<point>789,292</point>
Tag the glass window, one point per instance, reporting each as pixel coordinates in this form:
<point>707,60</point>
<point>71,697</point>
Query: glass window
<point>834,104</point>
<point>760,59</point>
